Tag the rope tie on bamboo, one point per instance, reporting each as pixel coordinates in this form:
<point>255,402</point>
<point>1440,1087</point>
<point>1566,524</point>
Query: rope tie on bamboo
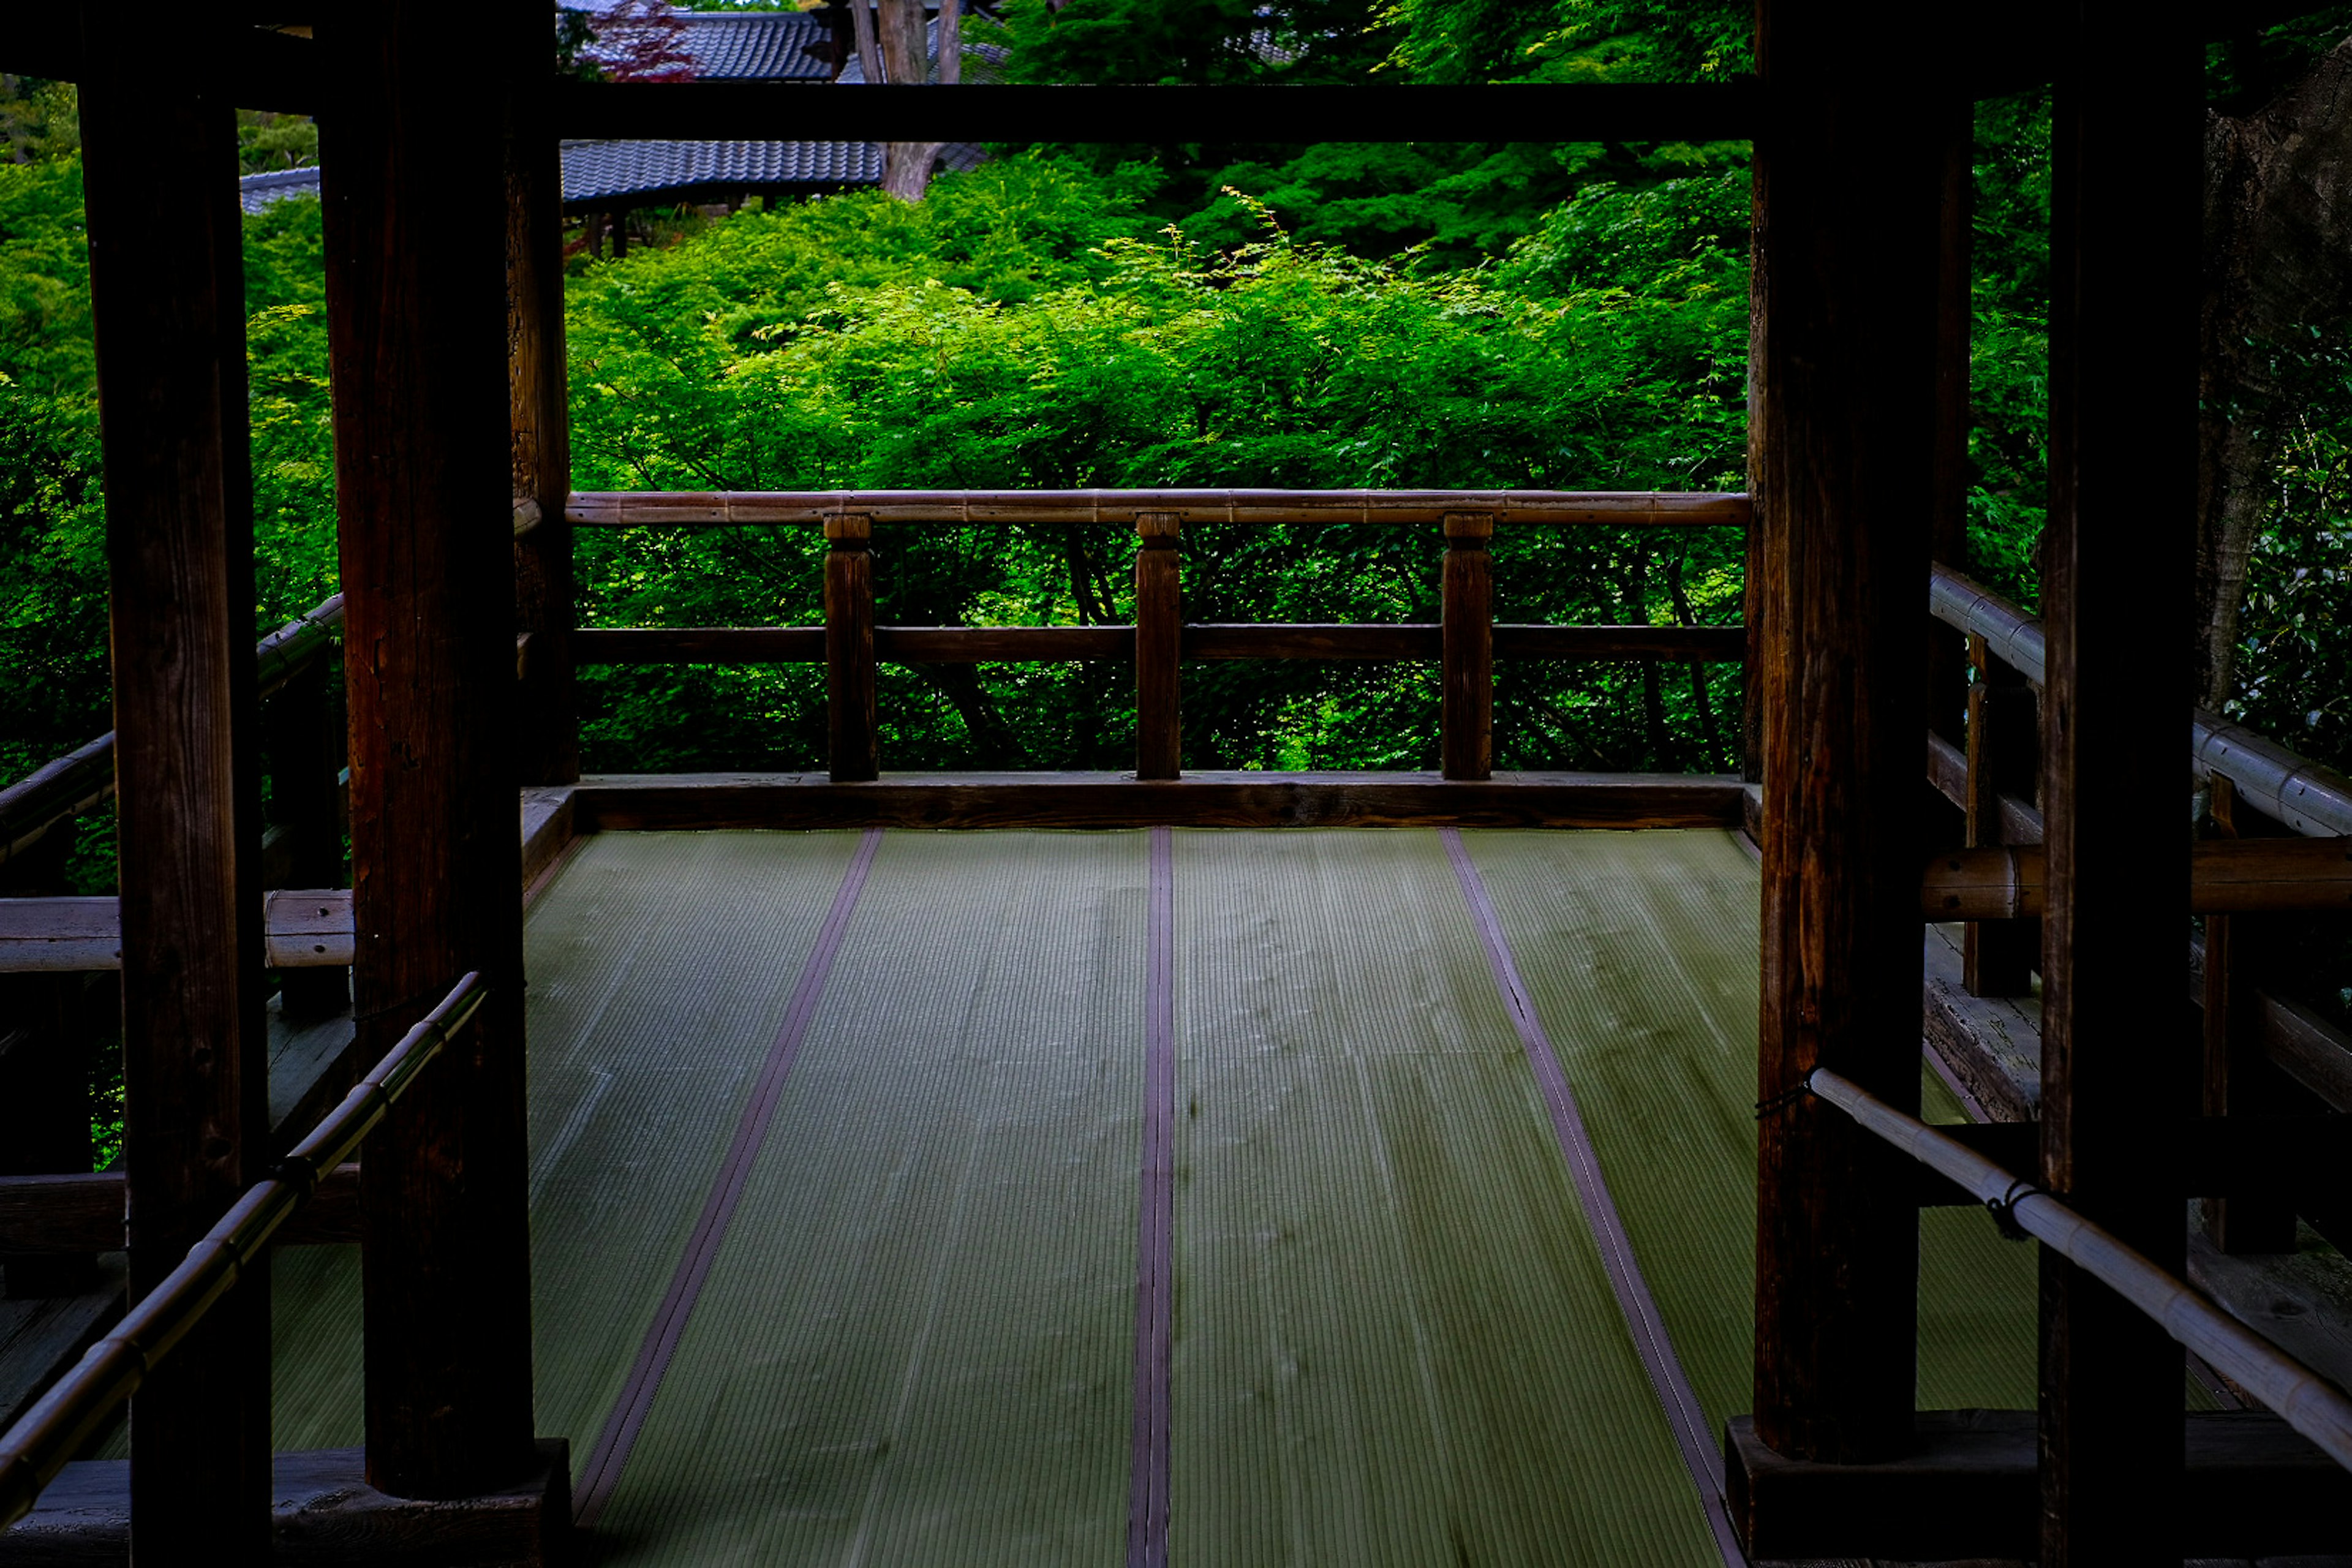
<point>1802,1088</point>
<point>2003,1208</point>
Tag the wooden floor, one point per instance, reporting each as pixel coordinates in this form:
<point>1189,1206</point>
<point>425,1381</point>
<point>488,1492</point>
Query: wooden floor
<point>840,1154</point>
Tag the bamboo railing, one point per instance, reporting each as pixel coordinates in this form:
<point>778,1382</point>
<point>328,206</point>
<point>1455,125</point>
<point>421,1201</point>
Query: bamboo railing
<point>1464,643</point>
<point>65,1419</point>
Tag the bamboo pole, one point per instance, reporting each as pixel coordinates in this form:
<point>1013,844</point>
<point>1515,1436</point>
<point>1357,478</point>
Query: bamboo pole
<point>71,1414</point>
<point>2308,1401</point>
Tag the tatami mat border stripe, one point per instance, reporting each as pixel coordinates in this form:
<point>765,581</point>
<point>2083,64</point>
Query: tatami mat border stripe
<point>1155,1280</point>
<point>602,1474</point>
<point>1668,1378</point>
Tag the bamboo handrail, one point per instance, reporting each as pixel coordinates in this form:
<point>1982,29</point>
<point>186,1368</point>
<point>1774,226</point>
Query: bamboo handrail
<point>2308,1403</point>
<point>2311,798</point>
<point>636,509</point>
<point>73,783</point>
<point>47,1436</point>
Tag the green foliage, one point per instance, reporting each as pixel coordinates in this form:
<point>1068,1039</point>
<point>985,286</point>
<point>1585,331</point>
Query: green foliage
<point>1084,353</point>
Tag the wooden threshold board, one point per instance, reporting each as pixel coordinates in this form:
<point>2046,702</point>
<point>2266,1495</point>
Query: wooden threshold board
<point>1104,800</point>
<point>1969,1489</point>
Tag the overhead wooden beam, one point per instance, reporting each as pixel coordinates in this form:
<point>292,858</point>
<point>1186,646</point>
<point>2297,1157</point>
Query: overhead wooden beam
<point>167,294</point>
<point>1583,111</point>
<point>2126,163</point>
<point>417,236</point>
<point>1843,414</point>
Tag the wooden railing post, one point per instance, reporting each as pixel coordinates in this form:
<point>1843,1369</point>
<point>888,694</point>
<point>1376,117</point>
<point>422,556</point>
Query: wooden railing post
<point>1467,742</point>
<point>1159,638</point>
<point>854,750</point>
<point>2238,1076</point>
<point>167,294</point>
<point>2004,751</point>
<point>305,756</point>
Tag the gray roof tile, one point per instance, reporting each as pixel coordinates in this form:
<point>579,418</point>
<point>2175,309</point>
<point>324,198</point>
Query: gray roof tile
<point>756,45</point>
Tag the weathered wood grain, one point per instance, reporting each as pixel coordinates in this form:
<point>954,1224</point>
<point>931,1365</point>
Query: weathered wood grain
<point>2117,554</point>
<point>1159,647</point>
<point>302,928</point>
<point>167,300</point>
<point>84,1213</point>
<point>1199,799</point>
<point>1466,721</point>
<point>853,727</point>
<point>1843,407</point>
<point>1967,1487</point>
<point>417,244</point>
<point>540,443</point>
<point>1993,1045</point>
<point>2004,753</point>
<point>625,509</point>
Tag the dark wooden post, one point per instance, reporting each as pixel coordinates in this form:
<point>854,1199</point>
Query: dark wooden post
<point>1948,526</point>
<point>1159,639</point>
<point>416,296</point>
<point>856,749</point>
<point>2004,744</point>
<point>1846,364</point>
<point>2126,163</point>
<point>1468,616</point>
<point>539,420</point>
<point>167,291</point>
<point>306,758</point>
<point>44,1081</point>
<point>2239,1077</point>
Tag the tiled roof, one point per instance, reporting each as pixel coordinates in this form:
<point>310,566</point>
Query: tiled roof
<point>256,191</point>
<point>593,171</point>
<point>756,45</point>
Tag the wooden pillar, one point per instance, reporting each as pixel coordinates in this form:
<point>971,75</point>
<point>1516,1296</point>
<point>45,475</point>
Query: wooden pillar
<point>2004,751</point>
<point>2239,1079</point>
<point>306,757</point>
<point>167,292</point>
<point>416,296</point>
<point>540,422</point>
<point>856,747</point>
<point>2127,164</point>
<point>1844,360</point>
<point>1467,615</point>
<point>1159,639</point>
<point>1948,520</point>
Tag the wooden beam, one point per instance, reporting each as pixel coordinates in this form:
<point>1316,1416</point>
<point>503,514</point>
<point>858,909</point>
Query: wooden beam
<point>854,746</point>
<point>167,294</point>
<point>2226,877</point>
<point>722,110</point>
<point>1159,633</point>
<point>1237,799</point>
<point>1522,508</point>
<point>2126,162</point>
<point>301,929</point>
<point>416,248</point>
<point>84,1213</point>
<point>306,763</point>
<point>1844,409</point>
<point>1965,1489</point>
<point>1467,725</point>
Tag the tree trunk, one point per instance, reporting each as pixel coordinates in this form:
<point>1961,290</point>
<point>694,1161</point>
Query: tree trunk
<point>869,53</point>
<point>906,60</point>
<point>2278,224</point>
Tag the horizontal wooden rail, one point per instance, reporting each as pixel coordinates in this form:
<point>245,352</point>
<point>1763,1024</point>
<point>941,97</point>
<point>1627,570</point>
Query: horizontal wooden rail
<point>65,1419</point>
<point>304,928</point>
<point>2310,798</point>
<point>2226,876</point>
<point>1556,509</point>
<point>1546,111</point>
<point>2309,1402</point>
<point>83,1214</point>
<point>982,645</point>
<point>77,782</point>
